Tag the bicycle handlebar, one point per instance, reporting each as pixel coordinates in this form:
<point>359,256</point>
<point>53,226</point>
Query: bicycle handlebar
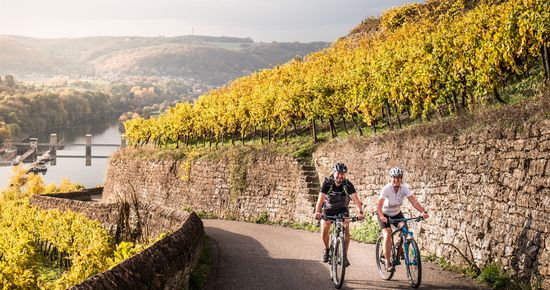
<point>335,217</point>
<point>416,219</point>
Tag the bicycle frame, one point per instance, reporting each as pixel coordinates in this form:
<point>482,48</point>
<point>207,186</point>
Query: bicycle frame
<point>413,262</point>
<point>403,233</point>
<point>339,225</point>
<point>338,249</point>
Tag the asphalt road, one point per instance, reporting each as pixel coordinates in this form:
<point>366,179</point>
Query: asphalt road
<point>253,256</point>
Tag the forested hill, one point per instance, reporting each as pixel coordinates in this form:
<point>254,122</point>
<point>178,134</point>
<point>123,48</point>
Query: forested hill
<point>212,60</point>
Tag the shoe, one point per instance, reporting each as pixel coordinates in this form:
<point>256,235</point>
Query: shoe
<point>346,263</point>
<point>326,256</point>
<point>390,267</point>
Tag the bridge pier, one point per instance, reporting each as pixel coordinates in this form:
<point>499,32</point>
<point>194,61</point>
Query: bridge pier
<point>123,140</point>
<point>53,149</point>
<point>34,148</point>
<point>88,149</point>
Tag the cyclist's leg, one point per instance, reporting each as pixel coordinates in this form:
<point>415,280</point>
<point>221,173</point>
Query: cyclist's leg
<point>325,227</point>
<point>399,225</point>
<point>346,223</point>
<point>387,246</point>
<point>386,231</point>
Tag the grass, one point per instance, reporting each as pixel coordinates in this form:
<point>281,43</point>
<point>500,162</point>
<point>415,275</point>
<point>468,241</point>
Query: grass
<point>47,272</point>
<point>492,274</point>
<point>530,85</point>
<point>263,218</point>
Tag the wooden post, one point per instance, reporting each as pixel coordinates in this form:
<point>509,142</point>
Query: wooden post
<point>53,149</point>
<point>88,149</point>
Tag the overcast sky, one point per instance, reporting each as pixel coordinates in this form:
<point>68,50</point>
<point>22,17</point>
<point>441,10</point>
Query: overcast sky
<point>262,20</point>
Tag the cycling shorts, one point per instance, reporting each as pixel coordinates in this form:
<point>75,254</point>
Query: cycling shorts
<point>387,225</point>
<point>334,212</point>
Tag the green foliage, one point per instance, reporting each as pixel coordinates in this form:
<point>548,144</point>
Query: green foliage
<point>367,232</point>
<point>238,161</point>
<point>263,218</point>
<point>529,85</point>
<point>123,251</point>
<point>494,276</point>
<point>199,275</point>
<point>23,229</point>
<point>206,215</point>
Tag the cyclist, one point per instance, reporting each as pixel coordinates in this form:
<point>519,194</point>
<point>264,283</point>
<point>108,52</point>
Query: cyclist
<point>389,206</point>
<point>333,200</point>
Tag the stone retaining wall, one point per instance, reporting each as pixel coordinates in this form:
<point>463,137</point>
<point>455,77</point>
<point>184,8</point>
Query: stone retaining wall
<point>243,187</point>
<point>490,187</point>
<point>165,265</point>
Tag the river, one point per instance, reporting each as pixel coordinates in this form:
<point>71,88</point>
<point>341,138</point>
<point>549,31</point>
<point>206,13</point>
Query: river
<point>75,169</point>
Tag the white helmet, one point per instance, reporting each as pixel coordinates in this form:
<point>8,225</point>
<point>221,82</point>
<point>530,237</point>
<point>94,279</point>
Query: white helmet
<point>396,172</point>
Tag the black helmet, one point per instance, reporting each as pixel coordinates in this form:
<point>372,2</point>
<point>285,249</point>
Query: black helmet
<point>340,167</point>
<point>396,172</point>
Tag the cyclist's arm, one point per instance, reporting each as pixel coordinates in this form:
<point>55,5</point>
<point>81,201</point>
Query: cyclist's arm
<point>358,203</point>
<point>417,205</point>
<point>319,204</point>
<point>379,210</point>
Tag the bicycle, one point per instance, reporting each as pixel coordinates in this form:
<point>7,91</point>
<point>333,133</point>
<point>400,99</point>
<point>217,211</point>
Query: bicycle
<point>411,253</point>
<point>337,248</point>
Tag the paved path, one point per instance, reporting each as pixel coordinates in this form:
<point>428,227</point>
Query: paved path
<point>252,256</point>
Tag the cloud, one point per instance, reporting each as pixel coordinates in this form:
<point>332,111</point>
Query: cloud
<point>282,20</point>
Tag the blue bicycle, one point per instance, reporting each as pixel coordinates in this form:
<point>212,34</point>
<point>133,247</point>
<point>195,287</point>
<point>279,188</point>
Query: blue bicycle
<point>403,246</point>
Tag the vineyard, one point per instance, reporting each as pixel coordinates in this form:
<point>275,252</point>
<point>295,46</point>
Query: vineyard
<point>439,58</point>
<point>50,249</point>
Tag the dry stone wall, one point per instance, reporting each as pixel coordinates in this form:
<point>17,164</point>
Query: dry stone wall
<point>244,186</point>
<point>487,190</point>
<point>149,220</point>
<point>165,265</point>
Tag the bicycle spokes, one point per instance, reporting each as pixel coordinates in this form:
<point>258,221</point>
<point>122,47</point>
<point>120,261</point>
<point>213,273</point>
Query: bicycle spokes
<point>413,263</point>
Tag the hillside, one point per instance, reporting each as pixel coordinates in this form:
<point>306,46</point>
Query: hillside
<point>212,60</point>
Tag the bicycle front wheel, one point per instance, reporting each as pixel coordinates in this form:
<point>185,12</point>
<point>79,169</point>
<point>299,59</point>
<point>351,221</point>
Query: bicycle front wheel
<point>381,260</point>
<point>338,267</point>
<point>413,263</point>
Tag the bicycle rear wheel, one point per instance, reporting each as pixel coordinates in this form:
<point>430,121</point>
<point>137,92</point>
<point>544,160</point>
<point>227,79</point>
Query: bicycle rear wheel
<point>338,267</point>
<point>381,260</point>
<point>413,263</point>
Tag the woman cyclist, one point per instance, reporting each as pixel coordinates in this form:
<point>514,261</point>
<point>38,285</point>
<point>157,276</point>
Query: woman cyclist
<point>389,206</point>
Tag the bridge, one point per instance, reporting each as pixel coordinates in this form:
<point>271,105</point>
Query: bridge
<point>52,153</point>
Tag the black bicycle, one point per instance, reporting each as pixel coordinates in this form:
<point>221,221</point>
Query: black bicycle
<point>403,246</point>
<point>338,255</point>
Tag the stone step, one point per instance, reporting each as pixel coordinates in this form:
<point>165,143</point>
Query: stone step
<point>312,179</point>
<point>313,184</point>
<point>308,168</point>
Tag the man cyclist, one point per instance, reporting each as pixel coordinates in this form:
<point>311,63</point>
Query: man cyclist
<point>334,199</point>
<point>389,206</point>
